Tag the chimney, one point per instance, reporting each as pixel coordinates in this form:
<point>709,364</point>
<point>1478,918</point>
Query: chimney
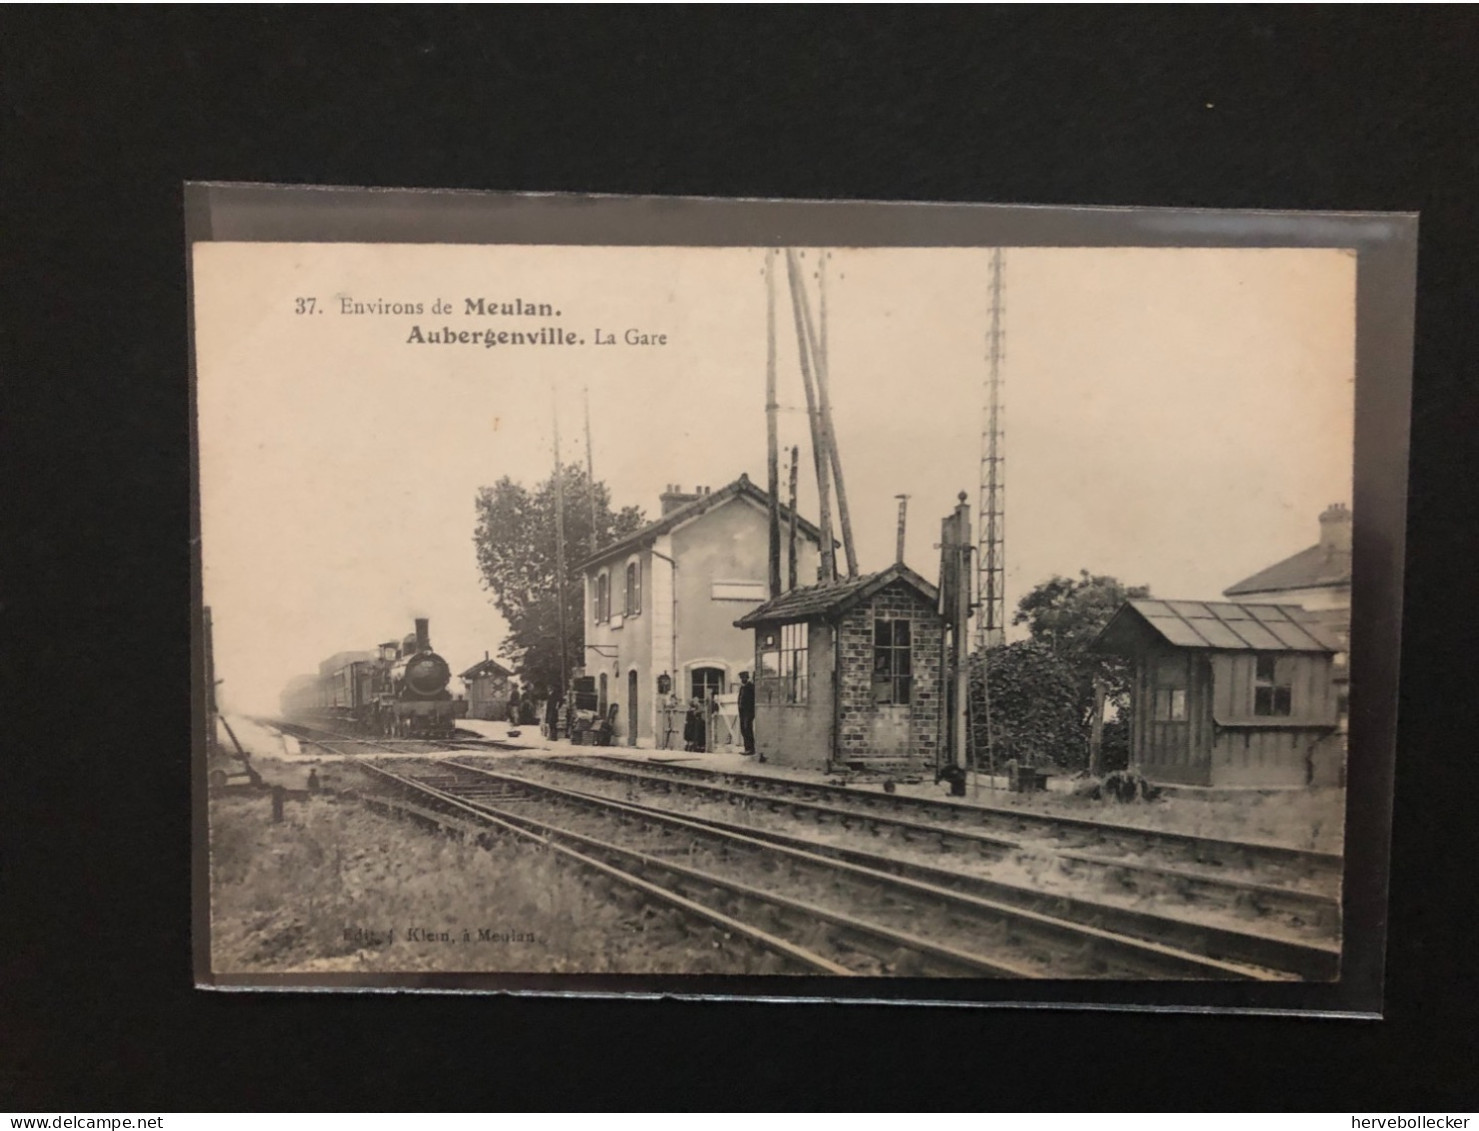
<point>423,635</point>
<point>1335,531</point>
<point>675,497</point>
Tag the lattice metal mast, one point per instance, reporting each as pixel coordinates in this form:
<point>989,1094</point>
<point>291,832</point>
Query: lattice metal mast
<point>990,558</point>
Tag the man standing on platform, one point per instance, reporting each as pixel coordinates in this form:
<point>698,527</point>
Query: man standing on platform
<point>747,712</point>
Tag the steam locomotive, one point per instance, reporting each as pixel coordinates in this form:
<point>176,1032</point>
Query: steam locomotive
<point>399,690</point>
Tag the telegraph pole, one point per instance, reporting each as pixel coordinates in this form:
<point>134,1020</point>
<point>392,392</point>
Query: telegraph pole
<point>560,554</point>
<point>590,473</point>
<point>819,353</point>
<point>791,547</point>
<point>820,455</point>
<point>772,443</point>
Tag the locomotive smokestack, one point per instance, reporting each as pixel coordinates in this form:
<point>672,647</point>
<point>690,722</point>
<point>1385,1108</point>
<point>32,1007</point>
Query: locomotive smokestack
<point>423,635</point>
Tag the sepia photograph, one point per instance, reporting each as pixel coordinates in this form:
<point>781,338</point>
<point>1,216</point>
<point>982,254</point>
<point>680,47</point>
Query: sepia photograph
<point>791,614</point>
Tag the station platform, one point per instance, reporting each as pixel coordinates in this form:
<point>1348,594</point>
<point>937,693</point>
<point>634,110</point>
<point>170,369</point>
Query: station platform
<point>527,741</point>
<point>980,788</point>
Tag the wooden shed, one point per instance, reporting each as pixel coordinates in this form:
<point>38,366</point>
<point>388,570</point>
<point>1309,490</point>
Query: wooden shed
<point>849,674</point>
<point>487,684</point>
<point>1227,693</point>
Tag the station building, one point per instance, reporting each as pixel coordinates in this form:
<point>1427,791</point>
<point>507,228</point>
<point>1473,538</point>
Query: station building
<point>661,605</point>
<point>849,674</point>
<point>1318,579</point>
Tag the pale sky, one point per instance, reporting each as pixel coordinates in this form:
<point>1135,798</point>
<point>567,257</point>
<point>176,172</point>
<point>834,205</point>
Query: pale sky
<point>1174,417</point>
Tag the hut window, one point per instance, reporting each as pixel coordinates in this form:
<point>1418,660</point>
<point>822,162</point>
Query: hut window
<point>893,669</point>
<point>1273,687</point>
<point>1170,704</point>
<point>634,589</point>
<point>793,663</point>
<point>767,655</point>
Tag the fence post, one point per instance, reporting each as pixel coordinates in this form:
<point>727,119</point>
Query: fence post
<point>1096,731</point>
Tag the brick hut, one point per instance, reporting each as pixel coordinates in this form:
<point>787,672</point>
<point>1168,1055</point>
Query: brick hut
<point>849,674</point>
<point>1227,694</point>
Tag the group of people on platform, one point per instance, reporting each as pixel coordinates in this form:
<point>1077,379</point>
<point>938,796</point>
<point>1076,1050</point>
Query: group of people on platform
<point>701,716</point>
<point>696,723</point>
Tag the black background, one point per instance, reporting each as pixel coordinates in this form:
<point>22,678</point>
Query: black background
<point>107,112</point>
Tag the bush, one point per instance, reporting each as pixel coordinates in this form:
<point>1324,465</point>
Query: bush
<point>1123,786</point>
<point>1034,707</point>
<point>1126,786</point>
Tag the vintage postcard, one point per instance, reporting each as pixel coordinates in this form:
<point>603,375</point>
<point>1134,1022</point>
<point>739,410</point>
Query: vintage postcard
<point>912,602</point>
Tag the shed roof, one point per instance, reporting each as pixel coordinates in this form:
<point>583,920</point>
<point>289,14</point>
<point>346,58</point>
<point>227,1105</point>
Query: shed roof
<point>824,601</point>
<point>486,668</point>
<point>1222,625</point>
<point>741,487</point>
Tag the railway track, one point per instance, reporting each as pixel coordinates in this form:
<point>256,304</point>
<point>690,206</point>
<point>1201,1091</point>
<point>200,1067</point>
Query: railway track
<point>1287,865</point>
<point>1056,932</point>
<point>849,913</point>
<point>1289,885</point>
<point>1304,950</point>
<point>432,805</point>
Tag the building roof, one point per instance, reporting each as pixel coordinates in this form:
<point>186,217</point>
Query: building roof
<point>741,487</point>
<point>485,668</point>
<point>816,602</point>
<point>1226,626</point>
<point>1315,568</point>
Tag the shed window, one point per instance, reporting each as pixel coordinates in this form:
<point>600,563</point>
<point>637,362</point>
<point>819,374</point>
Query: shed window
<point>1273,686</point>
<point>1170,704</point>
<point>634,589</point>
<point>893,668</point>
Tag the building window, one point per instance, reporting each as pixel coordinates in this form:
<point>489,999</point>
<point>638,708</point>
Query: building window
<point>1170,704</point>
<point>781,664</point>
<point>706,682</point>
<point>634,589</point>
<point>1273,686</point>
<point>603,598</point>
<point>893,672</point>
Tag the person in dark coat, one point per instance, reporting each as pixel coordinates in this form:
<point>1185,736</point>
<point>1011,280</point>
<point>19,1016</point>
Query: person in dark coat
<point>693,727</point>
<point>747,712</point>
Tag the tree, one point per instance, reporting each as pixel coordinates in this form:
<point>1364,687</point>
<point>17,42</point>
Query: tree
<point>1063,615</point>
<point>515,542</point>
